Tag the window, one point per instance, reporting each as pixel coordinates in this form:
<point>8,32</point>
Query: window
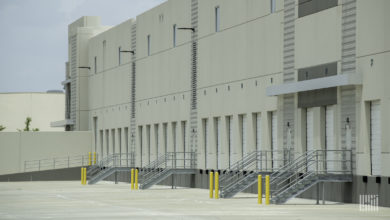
<point>148,45</point>
<point>174,35</point>
<point>95,64</point>
<point>273,6</point>
<point>306,7</point>
<point>119,56</point>
<point>217,17</point>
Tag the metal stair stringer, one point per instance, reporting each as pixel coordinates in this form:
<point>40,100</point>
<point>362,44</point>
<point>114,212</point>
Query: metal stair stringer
<point>166,165</point>
<point>308,170</point>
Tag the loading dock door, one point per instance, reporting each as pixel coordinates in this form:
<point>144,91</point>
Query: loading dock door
<point>274,139</point>
<point>310,134</point>
<point>375,138</point>
<point>230,118</point>
<point>218,142</point>
<point>258,132</point>
<point>206,150</point>
<point>244,133</point>
<point>329,138</point>
<point>258,137</point>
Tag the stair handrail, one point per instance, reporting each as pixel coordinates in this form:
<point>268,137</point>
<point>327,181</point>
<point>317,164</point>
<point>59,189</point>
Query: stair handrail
<point>310,163</point>
<point>289,166</point>
<point>241,167</point>
<point>286,183</point>
<point>165,163</point>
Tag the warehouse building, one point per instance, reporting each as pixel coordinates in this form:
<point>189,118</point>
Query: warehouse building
<point>220,80</point>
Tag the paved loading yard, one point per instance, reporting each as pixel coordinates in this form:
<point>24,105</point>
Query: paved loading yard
<point>71,200</point>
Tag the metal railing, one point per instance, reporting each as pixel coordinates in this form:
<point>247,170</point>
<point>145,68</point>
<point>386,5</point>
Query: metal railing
<point>164,163</point>
<point>255,162</point>
<point>117,160</point>
<point>309,165</point>
<point>56,163</point>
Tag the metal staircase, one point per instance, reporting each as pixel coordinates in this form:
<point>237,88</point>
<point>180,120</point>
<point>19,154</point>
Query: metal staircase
<point>109,165</point>
<point>309,169</point>
<point>243,173</point>
<point>166,165</point>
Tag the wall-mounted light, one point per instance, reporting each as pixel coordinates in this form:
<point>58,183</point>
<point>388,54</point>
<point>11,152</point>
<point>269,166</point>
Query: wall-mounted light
<point>347,120</point>
<point>372,62</point>
<point>84,67</point>
<point>127,51</point>
<point>186,28</point>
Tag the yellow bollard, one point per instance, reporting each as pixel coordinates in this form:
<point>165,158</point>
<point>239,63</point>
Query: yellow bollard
<point>267,189</point>
<point>85,175</point>
<point>132,178</point>
<point>94,157</point>
<point>259,190</point>
<point>136,179</point>
<point>211,185</point>
<point>216,185</point>
<point>82,176</point>
<point>89,159</point>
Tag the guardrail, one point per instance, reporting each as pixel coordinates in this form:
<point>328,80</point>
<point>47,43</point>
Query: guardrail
<point>57,163</point>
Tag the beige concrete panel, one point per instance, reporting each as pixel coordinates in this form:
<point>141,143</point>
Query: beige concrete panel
<point>232,13</point>
<point>318,38</point>
<point>10,152</point>
<point>373,30</point>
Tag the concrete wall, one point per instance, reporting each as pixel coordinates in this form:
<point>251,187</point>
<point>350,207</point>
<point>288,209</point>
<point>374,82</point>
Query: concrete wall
<point>18,147</point>
<point>73,173</point>
<point>43,108</point>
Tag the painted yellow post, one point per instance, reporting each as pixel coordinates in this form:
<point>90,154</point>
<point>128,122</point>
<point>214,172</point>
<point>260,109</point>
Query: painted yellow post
<point>211,185</point>
<point>216,185</point>
<point>82,176</point>
<point>94,157</point>
<point>267,189</point>
<point>89,159</point>
<point>85,175</point>
<point>136,179</point>
<point>132,178</point>
<point>259,190</point>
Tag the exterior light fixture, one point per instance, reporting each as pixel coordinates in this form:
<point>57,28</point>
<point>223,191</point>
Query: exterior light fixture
<point>186,28</point>
<point>84,67</point>
<point>127,51</point>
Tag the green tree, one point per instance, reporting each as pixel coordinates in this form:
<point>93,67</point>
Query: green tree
<point>2,127</point>
<point>27,123</point>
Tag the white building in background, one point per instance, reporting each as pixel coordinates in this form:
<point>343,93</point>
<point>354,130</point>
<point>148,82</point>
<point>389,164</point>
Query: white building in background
<point>224,78</point>
<point>42,107</point>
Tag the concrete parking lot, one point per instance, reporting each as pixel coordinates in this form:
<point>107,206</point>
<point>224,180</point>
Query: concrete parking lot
<point>71,200</point>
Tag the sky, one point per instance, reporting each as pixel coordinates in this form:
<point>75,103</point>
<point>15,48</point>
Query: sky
<point>34,38</point>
